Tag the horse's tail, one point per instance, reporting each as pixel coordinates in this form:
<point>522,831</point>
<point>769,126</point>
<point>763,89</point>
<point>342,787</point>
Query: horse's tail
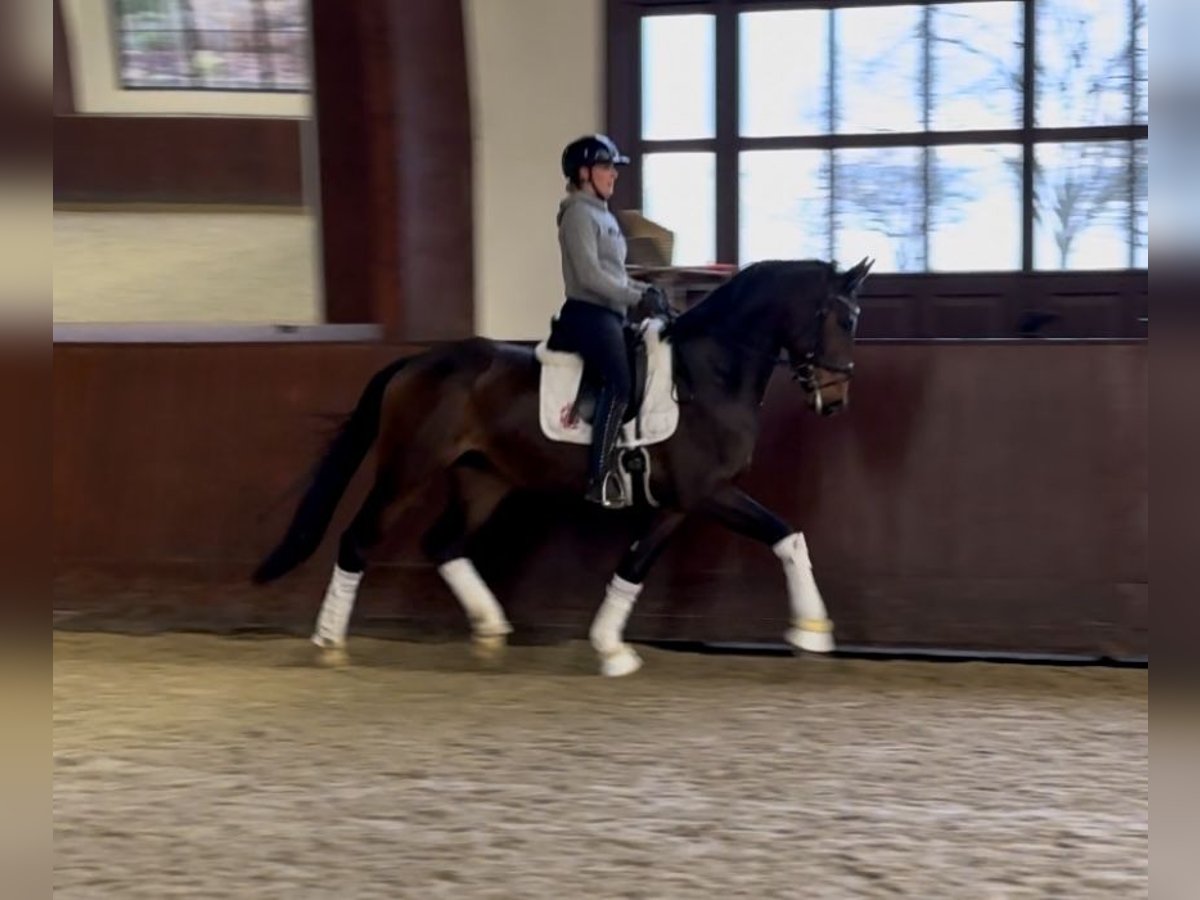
<point>329,481</point>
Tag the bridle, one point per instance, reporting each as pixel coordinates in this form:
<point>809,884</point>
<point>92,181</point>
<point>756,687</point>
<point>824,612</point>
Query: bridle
<point>805,370</point>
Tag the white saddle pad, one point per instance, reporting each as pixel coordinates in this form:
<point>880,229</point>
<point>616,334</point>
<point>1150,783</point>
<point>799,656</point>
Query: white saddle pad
<point>563,372</point>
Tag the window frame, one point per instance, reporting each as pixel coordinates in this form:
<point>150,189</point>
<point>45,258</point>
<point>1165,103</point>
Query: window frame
<point>624,114</point>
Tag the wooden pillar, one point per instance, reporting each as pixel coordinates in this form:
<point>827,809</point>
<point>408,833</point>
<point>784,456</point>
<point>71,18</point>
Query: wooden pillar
<point>64,85</point>
<point>394,133</point>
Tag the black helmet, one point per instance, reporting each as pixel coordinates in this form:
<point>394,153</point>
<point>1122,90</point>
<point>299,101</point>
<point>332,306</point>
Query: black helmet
<point>590,150</point>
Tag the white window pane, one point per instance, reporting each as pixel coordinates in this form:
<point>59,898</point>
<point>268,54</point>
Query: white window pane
<point>1141,40</point>
<point>1081,194</point>
<point>1141,198</point>
<point>879,204</point>
<point>150,15</point>
<point>878,78</point>
<point>1083,74</point>
<point>223,15</point>
<point>678,77</point>
<point>784,60</point>
<point>975,209</point>
<point>154,59</point>
<point>679,192</point>
<point>240,45</point>
<point>977,65</point>
<point>784,205</point>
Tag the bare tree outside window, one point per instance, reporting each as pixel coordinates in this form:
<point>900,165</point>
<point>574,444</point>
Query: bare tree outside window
<point>879,199</point>
<point>224,45</point>
<point>976,76</point>
<point>1082,200</point>
<point>961,69</point>
<point>993,135</point>
<point>947,67</point>
<point>1090,71</point>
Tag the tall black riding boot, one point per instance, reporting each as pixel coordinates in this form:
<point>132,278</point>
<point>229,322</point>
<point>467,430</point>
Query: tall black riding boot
<point>604,481</point>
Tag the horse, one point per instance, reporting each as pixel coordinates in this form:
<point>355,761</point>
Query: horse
<point>466,414</point>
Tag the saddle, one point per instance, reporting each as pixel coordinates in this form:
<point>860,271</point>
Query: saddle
<point>569,389</point>
<point>584,407</point>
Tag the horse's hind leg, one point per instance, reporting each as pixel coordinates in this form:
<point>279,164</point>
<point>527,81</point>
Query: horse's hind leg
<point>364,533</point>
<point>474,495</point>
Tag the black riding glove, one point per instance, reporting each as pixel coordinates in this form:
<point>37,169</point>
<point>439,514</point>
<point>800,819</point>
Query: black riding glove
<point>654,302</point>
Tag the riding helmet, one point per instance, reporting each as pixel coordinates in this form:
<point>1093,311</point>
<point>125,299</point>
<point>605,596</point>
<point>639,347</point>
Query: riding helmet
<point>590,150</point>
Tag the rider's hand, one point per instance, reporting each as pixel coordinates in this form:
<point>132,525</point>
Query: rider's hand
<point>654,302</point>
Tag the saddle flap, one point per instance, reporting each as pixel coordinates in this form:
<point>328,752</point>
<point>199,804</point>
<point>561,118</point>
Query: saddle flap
<point>589,387</point>
<point>566,398</point>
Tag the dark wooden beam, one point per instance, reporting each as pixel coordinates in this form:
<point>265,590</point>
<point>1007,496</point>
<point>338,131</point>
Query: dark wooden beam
<point>394,133</point>
<point>177,159</point>
<point>64,83</point>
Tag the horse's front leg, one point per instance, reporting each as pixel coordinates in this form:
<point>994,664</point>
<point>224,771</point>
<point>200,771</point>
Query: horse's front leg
<point>811,629</point>
<point>607,633</point>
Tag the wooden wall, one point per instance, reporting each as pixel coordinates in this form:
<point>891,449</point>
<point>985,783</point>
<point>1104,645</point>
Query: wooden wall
<point>981,496</point>
<point>986,306</point>
<point>109,159</point>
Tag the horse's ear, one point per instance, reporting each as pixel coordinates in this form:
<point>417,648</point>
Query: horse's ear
<point>853,279</point>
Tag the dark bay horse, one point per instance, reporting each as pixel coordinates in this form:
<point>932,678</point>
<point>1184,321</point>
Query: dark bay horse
<point>467,414</point>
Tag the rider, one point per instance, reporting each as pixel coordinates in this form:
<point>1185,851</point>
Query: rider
<point>599,293</point>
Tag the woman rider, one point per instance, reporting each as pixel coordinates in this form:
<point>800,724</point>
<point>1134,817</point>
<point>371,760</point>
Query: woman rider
<point>599,294</point>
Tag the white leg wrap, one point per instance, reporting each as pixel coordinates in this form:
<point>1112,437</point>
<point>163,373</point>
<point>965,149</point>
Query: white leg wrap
<point>336,608</point>
<point>483,610</point>
<point>616,657</point>
<point>811,628</point>
<point>609,624</point>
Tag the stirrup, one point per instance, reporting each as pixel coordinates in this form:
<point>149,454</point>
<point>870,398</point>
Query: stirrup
<point>600,493</point>
<point>608,490</point>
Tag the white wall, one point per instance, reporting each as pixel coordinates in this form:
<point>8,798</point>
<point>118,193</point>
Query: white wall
<point>536,71</point>
<point>90,32</point>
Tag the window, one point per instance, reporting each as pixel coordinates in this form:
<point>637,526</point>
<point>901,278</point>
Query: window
<point>215,45</point>
<point>942,136</point>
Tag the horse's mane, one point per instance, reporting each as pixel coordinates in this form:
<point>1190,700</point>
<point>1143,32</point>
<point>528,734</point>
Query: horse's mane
<point>733,296</point>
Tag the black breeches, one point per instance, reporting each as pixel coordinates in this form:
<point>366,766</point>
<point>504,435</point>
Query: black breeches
<point>597,334</point>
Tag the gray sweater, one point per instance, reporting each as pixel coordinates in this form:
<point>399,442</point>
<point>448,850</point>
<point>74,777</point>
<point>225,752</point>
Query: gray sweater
<point>593,254</point>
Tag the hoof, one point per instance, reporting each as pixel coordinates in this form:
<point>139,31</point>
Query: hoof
<point>489,648</point>
<point>812,636</point>
<point>331,658</point>
<point>619,663</point>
